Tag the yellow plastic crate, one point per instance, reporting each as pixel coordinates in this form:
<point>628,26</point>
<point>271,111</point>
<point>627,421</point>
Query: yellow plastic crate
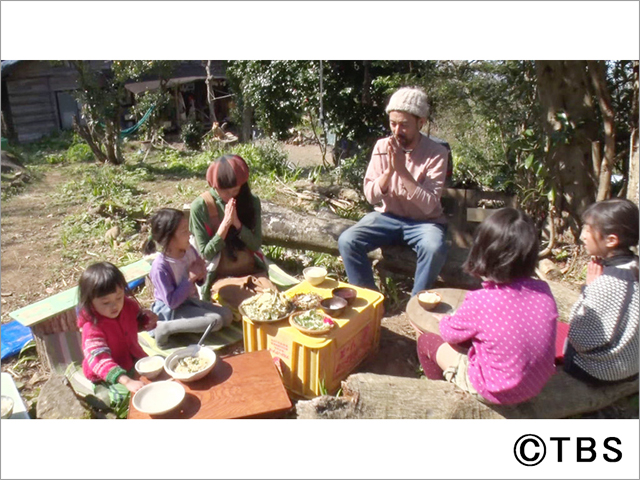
<point>309,362</point>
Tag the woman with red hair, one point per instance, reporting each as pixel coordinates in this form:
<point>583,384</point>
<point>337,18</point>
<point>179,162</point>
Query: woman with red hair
<point>226,225</point>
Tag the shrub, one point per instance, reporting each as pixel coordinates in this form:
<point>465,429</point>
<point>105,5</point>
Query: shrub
<point>79,152</point>
<point>191,134</point>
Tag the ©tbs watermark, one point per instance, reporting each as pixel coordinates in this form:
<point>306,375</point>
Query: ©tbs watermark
<point>530,449</point>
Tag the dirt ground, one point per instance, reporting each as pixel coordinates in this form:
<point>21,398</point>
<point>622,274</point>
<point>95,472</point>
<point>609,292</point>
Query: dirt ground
<point>32,270</point>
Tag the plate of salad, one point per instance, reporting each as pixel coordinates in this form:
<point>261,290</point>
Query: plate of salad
<point>312,322</point>
<point>268,306</point>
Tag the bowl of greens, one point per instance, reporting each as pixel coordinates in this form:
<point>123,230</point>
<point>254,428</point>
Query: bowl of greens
<point>312,322</point>
<point>268,306</point>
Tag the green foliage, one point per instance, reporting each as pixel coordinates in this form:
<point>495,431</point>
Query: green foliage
<point>266,160</point>
<point>322,388</point>
<point>294,261</point>
<point>26,355</point>
<point>279,91</point>
<point>351,170</point>
<point>354,111</point>
<point>139,70</point>
<point>101,94</point>
<point>79,152</point>
<point>191,134</point>
<point>144,101</point>
<point>111,197</point>
<point>284,93</point>
<point>121,410</point>
<point>38,152</point>
<point>391,291</point>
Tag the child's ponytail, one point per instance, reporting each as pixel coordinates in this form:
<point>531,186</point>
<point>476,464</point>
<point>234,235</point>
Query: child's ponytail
<point>164,224</point>
<point>149,246</point>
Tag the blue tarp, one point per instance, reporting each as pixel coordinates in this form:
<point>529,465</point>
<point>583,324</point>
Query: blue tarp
<point>14,336</point>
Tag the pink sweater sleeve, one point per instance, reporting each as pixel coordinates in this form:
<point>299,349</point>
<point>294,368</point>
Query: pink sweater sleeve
<point>426,196</point>
<point>97,353</point>
<point>377,166</point>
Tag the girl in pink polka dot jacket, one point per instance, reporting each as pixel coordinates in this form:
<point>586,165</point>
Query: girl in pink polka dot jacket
<point>500,344</point>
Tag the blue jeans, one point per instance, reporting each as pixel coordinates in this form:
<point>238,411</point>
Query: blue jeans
<point>377,229</point>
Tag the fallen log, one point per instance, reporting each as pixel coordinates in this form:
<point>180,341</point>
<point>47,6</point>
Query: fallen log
<point>367,395</point>
<point>287,228</point>
<point>319,233</point>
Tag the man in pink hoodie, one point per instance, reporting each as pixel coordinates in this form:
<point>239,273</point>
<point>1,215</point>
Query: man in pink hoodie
<point>404,182</point>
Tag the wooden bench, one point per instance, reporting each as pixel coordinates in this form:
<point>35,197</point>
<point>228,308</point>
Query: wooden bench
<point>57,313</point>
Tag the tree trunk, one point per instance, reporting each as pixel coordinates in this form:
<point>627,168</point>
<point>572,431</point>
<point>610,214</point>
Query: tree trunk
<point>597,71</point>
<point>563,88</point>
<point>111,133</point>
<point>247,121</point>
<point>84,132</point>
<point>367,395</point>
<point>632,188</point>
<point>210,95</point>
<point>366,84</point>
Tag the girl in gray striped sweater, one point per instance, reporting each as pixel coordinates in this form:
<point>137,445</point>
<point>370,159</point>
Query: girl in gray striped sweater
<point>602,342</point>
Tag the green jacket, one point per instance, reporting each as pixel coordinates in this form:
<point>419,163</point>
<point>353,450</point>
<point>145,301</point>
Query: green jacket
<point>209,246</point>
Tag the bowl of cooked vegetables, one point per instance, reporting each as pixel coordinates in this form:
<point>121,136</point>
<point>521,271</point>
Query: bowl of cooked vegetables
<point>269,306</point>
<point>190,363</point>
<point>312,322</point>
<point>306,301</point>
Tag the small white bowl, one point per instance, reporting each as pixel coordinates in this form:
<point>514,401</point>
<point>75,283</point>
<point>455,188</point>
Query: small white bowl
<point>150,367</point>
<point>429,299</point>
<point>315,275</point>
<point>7,406</point>
<point>158,397</point>
<point>194,350</point>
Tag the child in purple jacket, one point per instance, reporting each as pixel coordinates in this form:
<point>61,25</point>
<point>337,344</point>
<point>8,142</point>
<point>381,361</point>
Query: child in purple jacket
<point>174,274</point>
<point>500,344</point>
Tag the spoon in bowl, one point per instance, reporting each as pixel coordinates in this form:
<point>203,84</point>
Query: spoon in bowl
<point>206,332</point>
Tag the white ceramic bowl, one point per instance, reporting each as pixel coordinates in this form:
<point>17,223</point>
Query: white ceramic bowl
<point>150,367</point>
<point>158,397</point>
<point>315,275</point>
<point>7,406</point>
<point>194,350</point>
<point>429,299</point>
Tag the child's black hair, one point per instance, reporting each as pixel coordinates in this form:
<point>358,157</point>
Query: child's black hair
<point>616,216</point>
<point>505,247</point>
<point>98,280</point>
<point>164,224</point>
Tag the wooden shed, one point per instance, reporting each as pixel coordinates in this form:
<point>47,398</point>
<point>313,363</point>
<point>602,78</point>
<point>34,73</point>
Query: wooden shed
<point>37,97</point>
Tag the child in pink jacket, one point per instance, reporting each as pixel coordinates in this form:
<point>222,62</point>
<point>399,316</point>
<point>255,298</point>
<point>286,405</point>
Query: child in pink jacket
<point>500,344</point>
<point>110,321</point>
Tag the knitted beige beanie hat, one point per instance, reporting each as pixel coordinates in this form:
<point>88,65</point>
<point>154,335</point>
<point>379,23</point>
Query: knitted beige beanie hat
<point>412,100</point>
